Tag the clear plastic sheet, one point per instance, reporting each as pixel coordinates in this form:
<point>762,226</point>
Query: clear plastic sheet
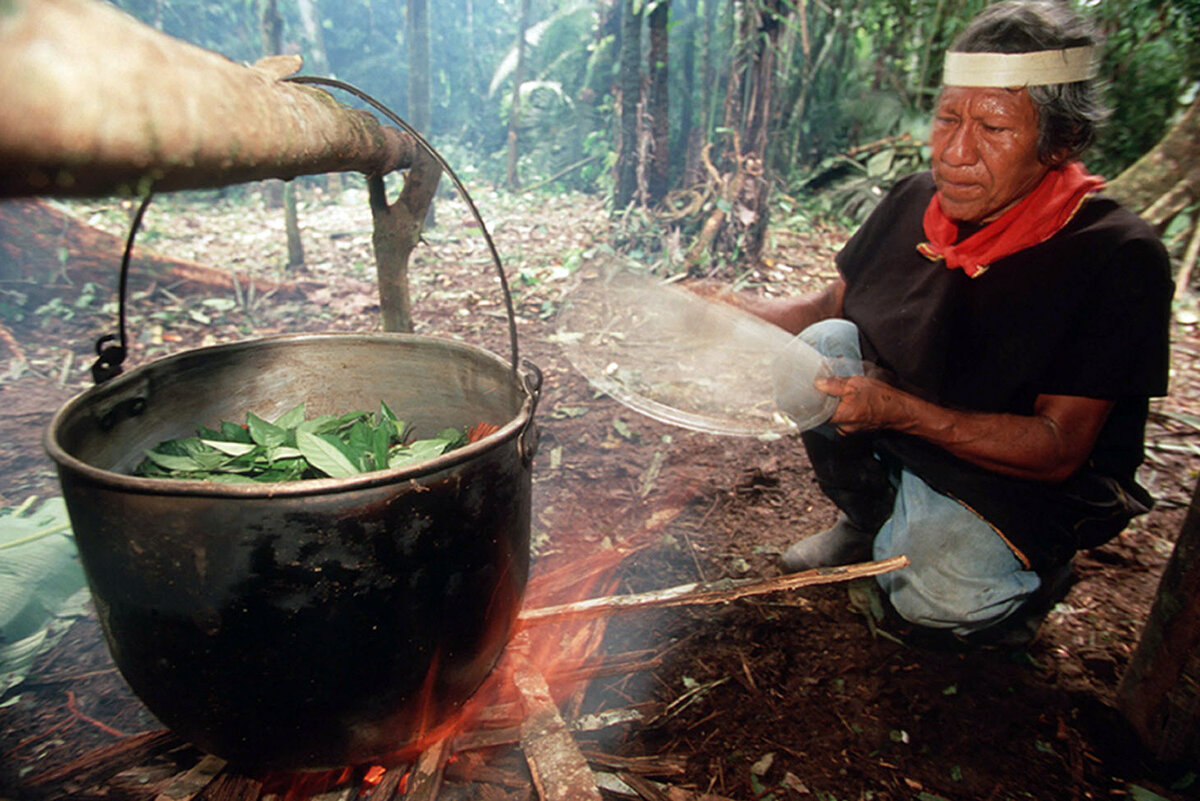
<point>682,359</point>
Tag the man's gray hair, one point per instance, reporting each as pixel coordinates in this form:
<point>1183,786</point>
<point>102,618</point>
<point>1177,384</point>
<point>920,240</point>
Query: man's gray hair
<point>1069,114</point>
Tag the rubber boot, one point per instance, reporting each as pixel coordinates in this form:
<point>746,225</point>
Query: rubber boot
<point>853,477</point>
<point>843,544</point>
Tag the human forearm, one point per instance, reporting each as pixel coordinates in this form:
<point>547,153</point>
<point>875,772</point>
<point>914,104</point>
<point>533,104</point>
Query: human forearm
<point>795,313</point>
<point>1048,445</point>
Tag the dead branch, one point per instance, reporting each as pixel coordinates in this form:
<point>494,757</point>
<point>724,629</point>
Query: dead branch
<point>101,725</point>
<point>10,342</point>
<point>660,766</point>
<point>702,593</point>
<point>41,246</point>
<point>564,171</point>
<point>1183,282</point>
<point>643,787</point>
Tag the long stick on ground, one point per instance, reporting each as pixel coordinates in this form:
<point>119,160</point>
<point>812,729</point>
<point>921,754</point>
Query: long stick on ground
<point>709,592</point>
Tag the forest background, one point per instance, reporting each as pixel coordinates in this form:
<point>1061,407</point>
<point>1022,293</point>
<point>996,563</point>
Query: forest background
<point>683,134</point>
<point>715,115</point>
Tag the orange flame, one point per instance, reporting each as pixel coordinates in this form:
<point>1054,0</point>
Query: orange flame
<point>557,650</point>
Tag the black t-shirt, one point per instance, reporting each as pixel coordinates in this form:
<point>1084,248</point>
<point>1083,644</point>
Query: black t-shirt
<point>1085,313</point>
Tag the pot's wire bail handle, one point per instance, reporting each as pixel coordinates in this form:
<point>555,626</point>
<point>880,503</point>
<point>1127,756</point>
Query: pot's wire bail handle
<point>527,440</point>
<point>111,356</point>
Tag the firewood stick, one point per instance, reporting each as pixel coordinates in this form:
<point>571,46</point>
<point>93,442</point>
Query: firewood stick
<point>559,770</point>
<point>189,784</point>
<point>712,592</point>
<point>426,779</point>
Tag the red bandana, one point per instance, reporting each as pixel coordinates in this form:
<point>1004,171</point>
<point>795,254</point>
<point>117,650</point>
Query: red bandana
<point>1040,215</point>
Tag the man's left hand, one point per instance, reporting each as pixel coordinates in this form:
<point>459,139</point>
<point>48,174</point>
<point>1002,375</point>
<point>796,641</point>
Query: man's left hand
<point>865,404</point>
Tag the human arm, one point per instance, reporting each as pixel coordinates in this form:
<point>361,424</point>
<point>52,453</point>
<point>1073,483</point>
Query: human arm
<point>1048,445</point>
<point>792,313</point>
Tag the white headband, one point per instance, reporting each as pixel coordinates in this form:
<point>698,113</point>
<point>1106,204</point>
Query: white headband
<point>1019,69</point>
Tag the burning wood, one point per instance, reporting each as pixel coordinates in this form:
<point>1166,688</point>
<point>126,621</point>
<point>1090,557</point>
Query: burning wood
<point>426,779</point>
<point>188,785</point>
<point>559,770</point>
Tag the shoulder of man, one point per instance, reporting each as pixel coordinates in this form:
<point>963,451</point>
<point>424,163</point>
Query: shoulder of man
<point>1108,212</point>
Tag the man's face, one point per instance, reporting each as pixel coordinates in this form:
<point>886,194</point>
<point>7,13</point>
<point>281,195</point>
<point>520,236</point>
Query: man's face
<point>984,151</point>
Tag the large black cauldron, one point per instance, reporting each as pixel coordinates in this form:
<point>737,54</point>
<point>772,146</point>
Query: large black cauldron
<point>317,623</point>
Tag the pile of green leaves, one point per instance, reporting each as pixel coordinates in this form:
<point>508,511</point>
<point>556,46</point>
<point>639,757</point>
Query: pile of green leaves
<point>293,448</point>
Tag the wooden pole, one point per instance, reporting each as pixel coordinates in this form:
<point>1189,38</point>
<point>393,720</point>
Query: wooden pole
<point>95,103</point>
<point>1160,692</point>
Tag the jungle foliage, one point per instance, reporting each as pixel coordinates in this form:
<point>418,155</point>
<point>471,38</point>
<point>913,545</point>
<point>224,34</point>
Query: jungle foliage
<point>849,86</point>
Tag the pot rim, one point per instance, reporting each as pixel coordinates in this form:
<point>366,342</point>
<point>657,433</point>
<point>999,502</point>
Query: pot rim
<point>313,486</point>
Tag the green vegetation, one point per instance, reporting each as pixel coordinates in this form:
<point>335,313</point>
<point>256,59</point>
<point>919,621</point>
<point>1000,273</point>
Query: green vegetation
<point>293,448</point>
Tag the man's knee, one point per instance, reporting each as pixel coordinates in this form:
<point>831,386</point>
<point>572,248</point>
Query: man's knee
<point>962,609</point>
<point>961,575</point>
<point>835,338</point>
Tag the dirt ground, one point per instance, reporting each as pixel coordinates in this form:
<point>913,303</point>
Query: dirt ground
<point>799,696</point>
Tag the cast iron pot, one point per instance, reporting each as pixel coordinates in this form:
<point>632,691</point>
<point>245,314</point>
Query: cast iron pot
<point>308,624</point>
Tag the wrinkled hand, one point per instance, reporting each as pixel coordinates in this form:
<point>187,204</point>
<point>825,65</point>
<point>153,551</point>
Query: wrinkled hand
<point>865,404</point>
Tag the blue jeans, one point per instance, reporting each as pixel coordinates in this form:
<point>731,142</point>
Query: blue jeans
<point>962,575</point>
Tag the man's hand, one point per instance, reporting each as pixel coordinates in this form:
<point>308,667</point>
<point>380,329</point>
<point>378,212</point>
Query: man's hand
<point>1048,445</point>
<point>865,404</point>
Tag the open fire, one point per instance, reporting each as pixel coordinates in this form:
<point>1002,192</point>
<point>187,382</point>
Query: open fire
<point>507,741</point>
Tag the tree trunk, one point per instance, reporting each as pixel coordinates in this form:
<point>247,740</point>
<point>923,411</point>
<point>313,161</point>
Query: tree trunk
<point>598,77</point>
<point>43,252</point>
<point>738,223</point>
<point>295,246</point>
<point>420,113</point>
<point>688,68</point>
<point>1166,180</point>
<point>318,61</point>
<point>396,234</point>
<point>657,172</point>
<point>512,178</point>
<point>1160,691</point>
<point>93,118</point>
<point>630,83</point>
<point>271,28</point>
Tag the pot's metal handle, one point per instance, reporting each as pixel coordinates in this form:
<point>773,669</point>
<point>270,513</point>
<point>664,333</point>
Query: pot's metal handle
<point>527,440</point>
<point>111,356</point>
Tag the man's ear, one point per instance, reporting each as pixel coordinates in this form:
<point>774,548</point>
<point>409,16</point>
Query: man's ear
<point>1058,158</point>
